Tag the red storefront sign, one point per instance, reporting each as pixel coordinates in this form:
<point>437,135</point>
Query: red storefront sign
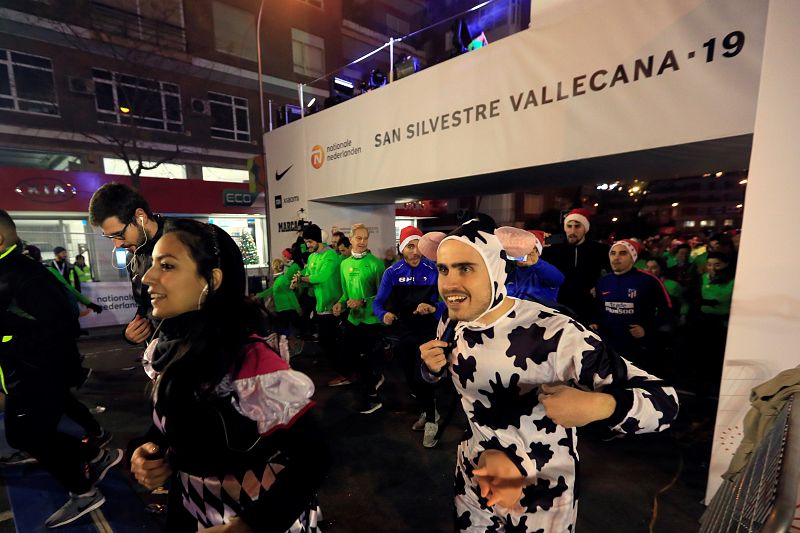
<point>31,189</point>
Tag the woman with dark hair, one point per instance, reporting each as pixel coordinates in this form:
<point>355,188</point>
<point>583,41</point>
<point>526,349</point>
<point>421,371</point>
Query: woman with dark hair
<point>233,432</point>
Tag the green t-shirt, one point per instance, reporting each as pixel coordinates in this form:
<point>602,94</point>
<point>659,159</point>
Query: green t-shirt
<point>721,292</point>
<point>84,274</point>
<point>282,295</point>
<point>360,281</point>
<point>323,276</point>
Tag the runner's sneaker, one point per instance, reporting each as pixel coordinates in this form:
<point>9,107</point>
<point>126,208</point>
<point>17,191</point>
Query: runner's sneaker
<point>17,458</point>
<point>101,441</point>
<point>429,439</point>
<point>77,506</point>
<point>371,404</point>
<point>419,425</point>
<point>339,381</point>
<point>108,458</point>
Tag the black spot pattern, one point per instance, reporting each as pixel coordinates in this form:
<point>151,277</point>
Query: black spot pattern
<point>496,525</point>
<point>529,344</point>
<point>568,443</point>
<point>510,451</point>
<point>580,327</point>
<point>545,314</point>
<point>546,425</point>
<point>512,314</point>
<point>506,404</point>
<point>541,495</point>
<point>463,521</point>
<point>473,338</point>
<point>665,405</point>
<point>460,484</point>
<point>540,453</point>
<point>593,361</point>
<point>631,425</point>
<point>465,369</point>
<point>519,528</point>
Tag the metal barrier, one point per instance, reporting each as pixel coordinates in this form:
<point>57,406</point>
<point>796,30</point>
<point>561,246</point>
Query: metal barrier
<point>764,497</point>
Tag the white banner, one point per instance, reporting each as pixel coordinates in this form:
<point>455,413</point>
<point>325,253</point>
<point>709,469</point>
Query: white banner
<point>609,78</point>
<point>116,299</point>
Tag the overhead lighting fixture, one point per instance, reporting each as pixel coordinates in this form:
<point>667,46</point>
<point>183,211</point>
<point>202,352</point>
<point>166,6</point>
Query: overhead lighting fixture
<point>596,204</point>
<point>614,219</point>
<point>719,174</point>
<point>743,182</point>
<point>124,109</point>
<point>343,82</point>
<point>739,206</point>
<point>310,103</point>
<point>675,204</point>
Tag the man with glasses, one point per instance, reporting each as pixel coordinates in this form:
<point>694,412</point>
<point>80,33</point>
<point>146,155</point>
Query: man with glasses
<point>126,219</point>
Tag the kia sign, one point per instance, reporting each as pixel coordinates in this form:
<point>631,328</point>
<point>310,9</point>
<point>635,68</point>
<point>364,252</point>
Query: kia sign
<point>235,198</point>
<point>45,190</point>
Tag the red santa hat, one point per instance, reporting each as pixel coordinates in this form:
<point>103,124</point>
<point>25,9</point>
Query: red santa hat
<point>286,253</point>
<point>408,234</point>
<point>539,235</point>
<point>579,215</point>
<point>633,247</point>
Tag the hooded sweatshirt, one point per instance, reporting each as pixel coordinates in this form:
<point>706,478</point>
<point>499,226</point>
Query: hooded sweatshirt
<point>497,369</point>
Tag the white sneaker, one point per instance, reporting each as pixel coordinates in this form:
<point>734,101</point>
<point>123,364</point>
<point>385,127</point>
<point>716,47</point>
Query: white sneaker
<point>77,506</point>
<point>429,439</point>
<point>419,425</point>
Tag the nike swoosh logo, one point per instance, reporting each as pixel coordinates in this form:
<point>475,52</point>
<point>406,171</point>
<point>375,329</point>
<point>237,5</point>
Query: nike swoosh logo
<point>279,175</point>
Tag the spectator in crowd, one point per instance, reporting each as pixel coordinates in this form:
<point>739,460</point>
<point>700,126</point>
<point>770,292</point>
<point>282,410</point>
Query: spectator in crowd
<point>322,275</point>
<point>126,218</point>
<point>631,306</point>
<point>534,278</point>
<point>708,326</point>
<point>336,237</point>
<point>65,268</point>
<point>82,269</point>
<point>344,247</point>
<point>360,278</point>
<point>406,302</point>
<point>40,362</point>
<point>582,262</point>
<point>284,301</point>
<point>682,270</point>
<point>516,366</point>
<point>217,383</point>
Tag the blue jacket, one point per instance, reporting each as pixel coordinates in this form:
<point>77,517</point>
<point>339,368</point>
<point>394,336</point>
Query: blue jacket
<point>538,282</point>
<point>636,297</point>
<point>403,288</point>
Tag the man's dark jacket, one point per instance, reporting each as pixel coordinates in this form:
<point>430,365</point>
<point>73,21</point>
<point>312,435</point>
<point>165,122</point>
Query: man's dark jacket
<point>582,266</point>
<point>37,325</point>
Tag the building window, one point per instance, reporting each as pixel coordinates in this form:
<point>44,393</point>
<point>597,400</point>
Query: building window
<point>315,3</point>
<point>231,175</point>
<point>308,52</point>
<point>26,83</point>
<point>234,31</point>
<point>172,171</point>
<point>123,99</point>
<point>229,117</point>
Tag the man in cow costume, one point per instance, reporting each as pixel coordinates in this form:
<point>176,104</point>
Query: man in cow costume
<point>527,376</point>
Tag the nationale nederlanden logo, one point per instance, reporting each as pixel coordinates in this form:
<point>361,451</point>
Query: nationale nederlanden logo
<point>317,156</point>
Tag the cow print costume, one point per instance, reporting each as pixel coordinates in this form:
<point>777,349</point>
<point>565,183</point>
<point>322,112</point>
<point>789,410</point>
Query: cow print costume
<point>497,369</point>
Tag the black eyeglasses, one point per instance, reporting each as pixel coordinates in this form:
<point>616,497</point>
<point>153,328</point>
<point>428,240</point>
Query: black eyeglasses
<point>120,235</point>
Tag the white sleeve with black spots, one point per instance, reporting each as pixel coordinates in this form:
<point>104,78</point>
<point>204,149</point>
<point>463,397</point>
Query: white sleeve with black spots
<point>645,403</point>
